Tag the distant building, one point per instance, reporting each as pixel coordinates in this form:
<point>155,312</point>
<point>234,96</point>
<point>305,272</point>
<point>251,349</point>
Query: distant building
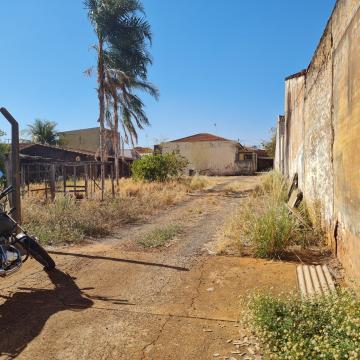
<point>142,151</point>
<point>264,161</point>
<point>212,155</point>
<point>86,139</point>
<point>32,156</point>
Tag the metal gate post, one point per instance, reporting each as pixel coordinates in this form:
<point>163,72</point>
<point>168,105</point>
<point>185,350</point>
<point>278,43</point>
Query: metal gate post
<point>14,164</point>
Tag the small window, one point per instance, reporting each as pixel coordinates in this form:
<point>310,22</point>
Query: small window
<point>239,157</point>
<point>248,156</point>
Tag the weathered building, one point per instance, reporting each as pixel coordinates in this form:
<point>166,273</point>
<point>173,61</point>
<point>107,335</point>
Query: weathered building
<point>33,155</point>
<point>143,151</point>
<point>263,161</point>
<point>319,136</point>
<point>212,155</point>
<point>86,139</point>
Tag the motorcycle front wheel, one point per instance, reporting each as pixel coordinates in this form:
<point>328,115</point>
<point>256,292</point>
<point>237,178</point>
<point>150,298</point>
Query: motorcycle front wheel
<point>37,252</point>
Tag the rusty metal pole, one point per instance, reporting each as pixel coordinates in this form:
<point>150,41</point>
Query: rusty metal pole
<point>15,199</point>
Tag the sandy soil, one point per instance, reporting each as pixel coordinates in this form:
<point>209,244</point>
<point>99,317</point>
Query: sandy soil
<point>113,300</point>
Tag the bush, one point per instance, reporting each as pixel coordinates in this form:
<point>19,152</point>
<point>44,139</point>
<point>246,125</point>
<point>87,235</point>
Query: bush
<point>325,327</point>
<point>158,167</point>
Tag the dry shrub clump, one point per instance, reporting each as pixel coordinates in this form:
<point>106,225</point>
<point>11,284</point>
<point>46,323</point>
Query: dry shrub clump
<point>198,182</point>
<point>325,327</point>
<point>68,220</point>
<point>264,227</point>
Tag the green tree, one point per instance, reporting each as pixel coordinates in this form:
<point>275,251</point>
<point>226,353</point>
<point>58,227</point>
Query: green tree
<point>270,145</point>
<point>44,132</point>
<point>4,149</point>
<point>123,39</point>
<point>158,167</point>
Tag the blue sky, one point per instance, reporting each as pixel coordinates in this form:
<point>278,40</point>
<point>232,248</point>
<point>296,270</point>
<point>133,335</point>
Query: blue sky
<point>219,65</point>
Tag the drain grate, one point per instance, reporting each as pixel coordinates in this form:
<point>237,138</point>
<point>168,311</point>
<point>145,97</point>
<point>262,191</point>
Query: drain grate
<point>314,280</point>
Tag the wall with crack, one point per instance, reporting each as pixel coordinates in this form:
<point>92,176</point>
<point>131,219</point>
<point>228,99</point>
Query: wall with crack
<point>321,136</point>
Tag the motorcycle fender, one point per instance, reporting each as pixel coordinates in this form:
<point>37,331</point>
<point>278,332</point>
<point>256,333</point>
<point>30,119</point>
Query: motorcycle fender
<point>20,244</point>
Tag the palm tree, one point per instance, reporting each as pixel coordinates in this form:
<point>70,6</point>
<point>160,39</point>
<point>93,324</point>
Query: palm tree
<point>120,96</point>
<point>123,38</point>
<point>44,132</point>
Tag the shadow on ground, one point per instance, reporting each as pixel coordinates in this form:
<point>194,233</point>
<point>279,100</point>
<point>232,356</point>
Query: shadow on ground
<point>24,313</point>
<point>130,261</point>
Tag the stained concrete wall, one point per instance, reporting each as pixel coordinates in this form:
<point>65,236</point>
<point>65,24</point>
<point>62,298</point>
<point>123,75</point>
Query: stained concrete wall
<point>86,139</point>
<point>214,157</point>
<point>321,136</point>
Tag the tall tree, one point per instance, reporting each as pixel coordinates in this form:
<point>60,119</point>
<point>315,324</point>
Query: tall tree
<point>44,132</point>
<point>123,39</point>
<point>121,98</point>
<point>270,145</point>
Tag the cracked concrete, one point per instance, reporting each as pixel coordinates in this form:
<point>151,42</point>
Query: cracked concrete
<point>112,300</point>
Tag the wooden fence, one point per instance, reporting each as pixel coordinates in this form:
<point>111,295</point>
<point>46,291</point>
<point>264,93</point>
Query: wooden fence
<point>82,179</point>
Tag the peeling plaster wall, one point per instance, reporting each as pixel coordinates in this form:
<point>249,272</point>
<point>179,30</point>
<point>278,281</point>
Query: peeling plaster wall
<point>321,140</point>
<point>279,146</point>
<point>212,157</point>
<point>318,134</point>
<point>294,127</point>
<point>346,151</point>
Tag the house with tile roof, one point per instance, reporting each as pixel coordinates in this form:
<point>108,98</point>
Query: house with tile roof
<point>209,154</point>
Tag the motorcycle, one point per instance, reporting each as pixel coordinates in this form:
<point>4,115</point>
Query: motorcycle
<point>16,247</point>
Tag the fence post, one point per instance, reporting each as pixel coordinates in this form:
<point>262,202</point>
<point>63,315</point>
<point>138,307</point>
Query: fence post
<point>102,171</point>
<point>15,164</point>
<point>86,180</point>
<point>112,181</point>
<point>52,182</point>
<point>64,178</point>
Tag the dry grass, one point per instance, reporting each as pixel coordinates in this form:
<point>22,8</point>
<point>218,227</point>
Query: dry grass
<point>263,226</point>
<point>160,236</point>
<point>67,220</point>
<point>198,182</point>
<point>245,185</point>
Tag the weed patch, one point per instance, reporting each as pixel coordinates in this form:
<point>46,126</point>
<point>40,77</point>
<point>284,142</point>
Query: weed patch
<point>264,227</point>
<point>326,327</point>
<point>160,236</point>
<point>67,220</point>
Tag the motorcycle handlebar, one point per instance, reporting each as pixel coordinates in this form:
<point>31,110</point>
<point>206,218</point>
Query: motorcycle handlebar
<point>7,191</point>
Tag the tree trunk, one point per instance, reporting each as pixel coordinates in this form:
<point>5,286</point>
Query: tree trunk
<point>116,138</point>
<point>101,95</point>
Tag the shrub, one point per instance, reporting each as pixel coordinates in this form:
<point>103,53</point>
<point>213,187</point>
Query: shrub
<point>158,167</point>
<point>325,327</point>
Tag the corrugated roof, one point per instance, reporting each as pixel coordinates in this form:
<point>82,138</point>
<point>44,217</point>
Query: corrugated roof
<point>29,145</point>
<point>259,152</point>
<point>200,137</point>
<point>143,150</point>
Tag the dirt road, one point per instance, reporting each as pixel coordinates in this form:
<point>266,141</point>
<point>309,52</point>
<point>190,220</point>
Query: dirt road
<point>114,300</point>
